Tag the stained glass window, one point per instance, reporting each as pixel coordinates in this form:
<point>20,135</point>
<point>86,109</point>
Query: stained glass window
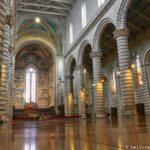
<point>30,85</point>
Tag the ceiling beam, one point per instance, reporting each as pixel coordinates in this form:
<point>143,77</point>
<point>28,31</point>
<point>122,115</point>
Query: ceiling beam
<point>42,5</point>
<point>64,1</point>
<point>135,27</point>
<point>110,36</point>
<point>42,12</point>
<point>140,14</point>
<point>108,45</point>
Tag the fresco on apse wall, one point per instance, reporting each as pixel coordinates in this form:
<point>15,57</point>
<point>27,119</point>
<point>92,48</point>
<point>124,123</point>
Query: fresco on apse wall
<point>19,88</point>
<point>42,87</point>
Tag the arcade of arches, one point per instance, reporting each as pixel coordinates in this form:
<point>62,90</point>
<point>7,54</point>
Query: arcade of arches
<point>105,72</point>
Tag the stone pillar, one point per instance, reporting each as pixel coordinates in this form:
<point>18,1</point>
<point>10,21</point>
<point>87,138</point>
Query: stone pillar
<point>5,78</point>
<point>2,26</point>
<point>98,90</point>
<point>81,92</point>
<point>5,94</point>
<point>65,96</point>
<point>11,81</point>
<point>127,92</point>
<point>69,95</point>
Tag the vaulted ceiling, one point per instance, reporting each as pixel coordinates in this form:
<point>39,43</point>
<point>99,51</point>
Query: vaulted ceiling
<point>52,13</point>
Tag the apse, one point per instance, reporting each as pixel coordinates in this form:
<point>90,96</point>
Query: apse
<point>34,79</point>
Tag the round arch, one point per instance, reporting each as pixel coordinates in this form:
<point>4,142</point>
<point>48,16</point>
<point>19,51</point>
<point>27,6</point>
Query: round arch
<point>24,42</point>
<point>147,54</point>
<point>98,33</point>
<point>122,14</point>
<point>81,51</point>
<point>146,64</point>
<point>68,67</point>
<point>52,53</point>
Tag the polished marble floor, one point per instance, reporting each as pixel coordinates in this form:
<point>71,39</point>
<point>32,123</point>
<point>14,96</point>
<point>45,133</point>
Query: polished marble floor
<point>76,134</point>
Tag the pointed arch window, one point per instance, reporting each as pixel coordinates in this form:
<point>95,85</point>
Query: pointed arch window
<point>139,70</point>
<point>31,76</point>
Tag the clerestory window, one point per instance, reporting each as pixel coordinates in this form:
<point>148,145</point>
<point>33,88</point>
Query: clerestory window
<point>100,2</point>
<point>83,15</point>
<point>71,33</point>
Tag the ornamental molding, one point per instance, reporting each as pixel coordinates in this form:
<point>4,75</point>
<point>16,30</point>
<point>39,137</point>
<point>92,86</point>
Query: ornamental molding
<point>96,54</point>
<point>79,67</point>
<point>43,36</point>
<point>9,20</point>
<point>27,39</point>
<point>34,33</point>
<point>92,23</point>
<point>69,77</point>
<point>121,32</point>
<point>11,49</point>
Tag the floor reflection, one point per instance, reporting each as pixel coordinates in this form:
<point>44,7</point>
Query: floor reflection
<point>30,142</point>
<point>78,134</point>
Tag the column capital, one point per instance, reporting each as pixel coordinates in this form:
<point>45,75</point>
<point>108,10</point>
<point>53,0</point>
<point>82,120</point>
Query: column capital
<point>79,67</point>
<point>11,49</point>
<point>121,32</point>
<point>69,77</point>
<point>9,20</point>
<point>95,54</point>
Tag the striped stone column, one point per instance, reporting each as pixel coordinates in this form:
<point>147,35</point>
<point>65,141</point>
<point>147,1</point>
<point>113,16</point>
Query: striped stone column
<point>11,82</point>
<point>2,26</point>
<point>69,95</point>
<point>98,90</point>
<point>81,92</point>
<point>5,78</point>
<point>65,96</point>
<point>127,92</point>
<point>5,94</point>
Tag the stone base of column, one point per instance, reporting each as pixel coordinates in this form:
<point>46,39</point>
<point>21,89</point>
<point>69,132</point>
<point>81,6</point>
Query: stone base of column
<point>82,116</point>
<point>129,110</point>
<point>100,115</point>
<point>68,114</point>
